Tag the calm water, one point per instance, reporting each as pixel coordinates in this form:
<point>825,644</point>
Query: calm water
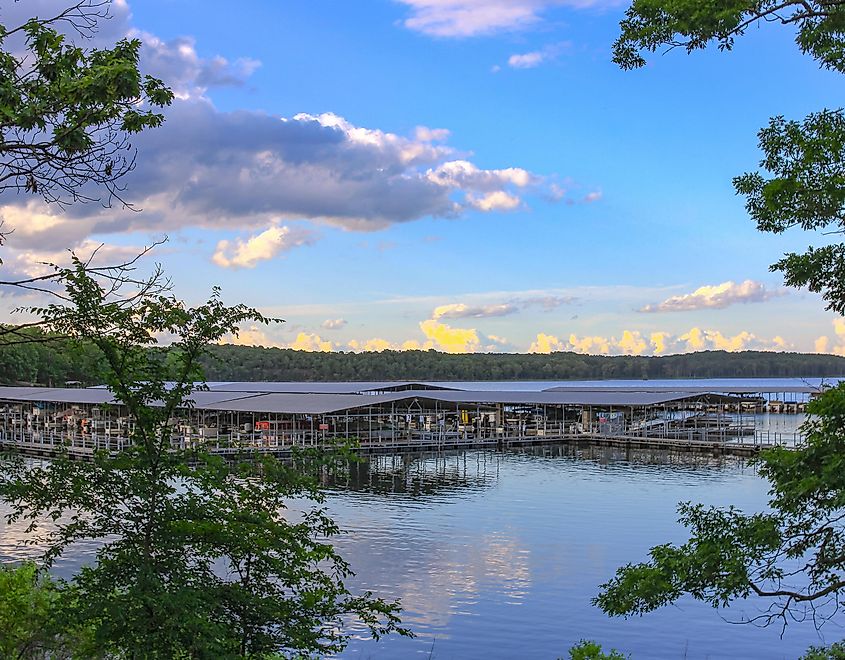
<point>496,555</point>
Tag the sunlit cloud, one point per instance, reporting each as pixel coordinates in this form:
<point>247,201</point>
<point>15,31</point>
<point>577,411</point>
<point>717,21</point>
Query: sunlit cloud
<point>307,341</point>
<point>333,324</point>
<point>261,247</point>
<point>449,339</point>
<point>633,342</point>
<point>375,344</point>
<point>252,336</point>
<point>835,345</point>
<point>716,296</point>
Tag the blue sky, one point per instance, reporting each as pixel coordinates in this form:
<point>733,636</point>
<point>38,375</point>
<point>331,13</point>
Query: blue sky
<point>466,175</point>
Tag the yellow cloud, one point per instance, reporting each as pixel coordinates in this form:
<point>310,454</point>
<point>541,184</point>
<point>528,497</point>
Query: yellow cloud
<point>371,345</point>
<point>311,342</point>
<point>546,344</point>
<point>658,341</point>
<point>600,345</point>
<point>263,246</point>
<point>449,339</point>
<point>252,336</point>
<point>632,343</point>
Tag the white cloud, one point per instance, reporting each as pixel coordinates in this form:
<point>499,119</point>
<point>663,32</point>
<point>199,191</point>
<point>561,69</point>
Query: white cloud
<point>535,58</point>
<point>426,134</point>
<point>461,311</point>
<point>263,246</point>
<point>333,324</point>
<point>177,63</point>
<point>466,18</point>
<point>498,200</point>
<point>716,296</point>
<point>526,60</point>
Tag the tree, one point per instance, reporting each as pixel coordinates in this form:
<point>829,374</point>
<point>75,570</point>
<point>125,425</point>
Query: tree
<point>199,557</point>
<point>66,112</point>
<point>794,555</point>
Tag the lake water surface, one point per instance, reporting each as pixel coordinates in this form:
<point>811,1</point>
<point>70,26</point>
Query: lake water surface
<point>497,555</point>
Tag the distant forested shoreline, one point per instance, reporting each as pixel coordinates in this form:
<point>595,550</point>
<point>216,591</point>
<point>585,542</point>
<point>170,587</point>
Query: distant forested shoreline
<point>57,362</point>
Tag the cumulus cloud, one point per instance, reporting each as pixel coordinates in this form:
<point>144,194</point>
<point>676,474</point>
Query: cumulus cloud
<point>716,296</point>
<point>836,345</point>
<point>263,246</point>
<point>308,341</point>
<point>498,200</point>
<point>333,324</point>
<point>376,345</point>
<point>633,342</point>
<point>467,18</point>
<point>247,169</point>
<point>177,62</point>
<point>252,336</point>
<point>449,339</point>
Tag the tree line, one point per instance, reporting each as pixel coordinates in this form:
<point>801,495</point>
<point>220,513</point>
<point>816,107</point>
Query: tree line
<point>58,362</point>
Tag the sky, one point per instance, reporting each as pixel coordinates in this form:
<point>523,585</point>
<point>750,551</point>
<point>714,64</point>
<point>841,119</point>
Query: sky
<point>463,175</point>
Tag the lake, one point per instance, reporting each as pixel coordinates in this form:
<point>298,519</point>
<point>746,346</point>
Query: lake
<point>497,555</point>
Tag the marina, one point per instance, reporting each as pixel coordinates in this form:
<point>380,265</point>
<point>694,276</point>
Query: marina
<point>233,419</point>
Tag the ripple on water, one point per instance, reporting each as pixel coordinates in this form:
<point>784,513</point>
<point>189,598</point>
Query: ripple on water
<point>497,555</point>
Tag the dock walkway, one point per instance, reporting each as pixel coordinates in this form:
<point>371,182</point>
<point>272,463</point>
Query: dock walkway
<point>447,442</point>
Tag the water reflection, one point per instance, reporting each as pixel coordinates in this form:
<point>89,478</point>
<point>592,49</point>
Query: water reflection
<point>497,554</point>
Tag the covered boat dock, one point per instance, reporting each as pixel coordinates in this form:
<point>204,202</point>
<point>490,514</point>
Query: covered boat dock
<point>230,418</point>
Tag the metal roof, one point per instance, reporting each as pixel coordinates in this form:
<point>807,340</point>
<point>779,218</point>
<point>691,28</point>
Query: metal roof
<point>726,389</point>
<point>299,403</point>
<point>14,393</point>
<point>306,403</point>
<point>326,402</point>
<point>57,395</point>
<point>304,387</point>
<point>571,397</point>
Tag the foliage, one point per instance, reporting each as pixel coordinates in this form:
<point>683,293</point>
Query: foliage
<point>66,112</point>
<point>58,361</point>
<point>30,615</point>
<point>589,650</point>
<point>805,160</point>
<point>200,557</point>
<point>833,652</point>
